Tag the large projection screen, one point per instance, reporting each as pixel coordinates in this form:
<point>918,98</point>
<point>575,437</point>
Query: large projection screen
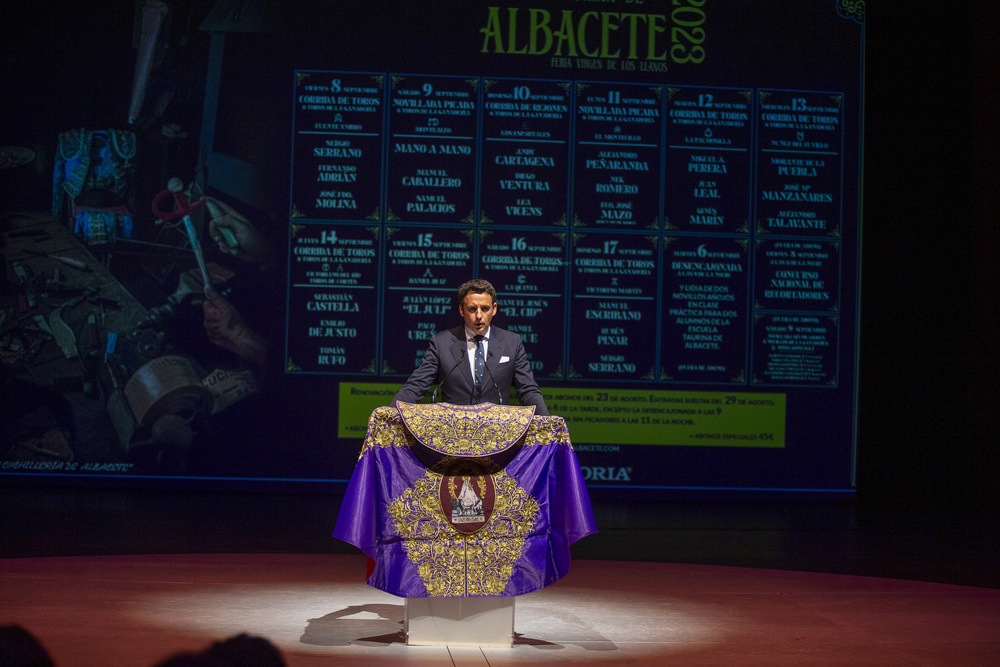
<point>666,196</point>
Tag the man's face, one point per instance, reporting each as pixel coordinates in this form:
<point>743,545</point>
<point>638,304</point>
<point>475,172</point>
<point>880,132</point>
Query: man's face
<point>477,310</point>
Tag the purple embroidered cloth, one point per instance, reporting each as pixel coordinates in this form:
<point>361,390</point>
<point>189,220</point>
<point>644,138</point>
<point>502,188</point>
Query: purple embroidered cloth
<point>464,528</point>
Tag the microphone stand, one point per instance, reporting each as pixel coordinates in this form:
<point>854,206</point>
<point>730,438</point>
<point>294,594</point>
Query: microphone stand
<point>446,375</point>
<point>495,385</point>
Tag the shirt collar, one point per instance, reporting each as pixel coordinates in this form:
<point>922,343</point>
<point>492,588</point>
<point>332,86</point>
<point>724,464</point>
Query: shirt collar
<point>470,335</point>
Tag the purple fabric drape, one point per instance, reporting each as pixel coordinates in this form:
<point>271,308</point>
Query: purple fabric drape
<point>392,511</point>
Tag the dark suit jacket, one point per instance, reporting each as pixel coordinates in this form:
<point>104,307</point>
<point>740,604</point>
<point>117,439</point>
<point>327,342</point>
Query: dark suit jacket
<point>447,363</point>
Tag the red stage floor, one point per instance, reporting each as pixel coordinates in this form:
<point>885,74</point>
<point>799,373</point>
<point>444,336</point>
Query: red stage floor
<point>137,610</point>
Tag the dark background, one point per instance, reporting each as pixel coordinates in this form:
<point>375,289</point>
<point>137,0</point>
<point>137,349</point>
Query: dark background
<point>928,424</point>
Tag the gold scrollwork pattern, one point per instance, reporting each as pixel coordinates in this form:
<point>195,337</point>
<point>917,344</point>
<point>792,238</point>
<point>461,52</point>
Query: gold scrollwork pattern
<point>475,430</point>
<point>541,432</point>
<point>385,430</point>
<point>455,564</point>
<point>852,9</point>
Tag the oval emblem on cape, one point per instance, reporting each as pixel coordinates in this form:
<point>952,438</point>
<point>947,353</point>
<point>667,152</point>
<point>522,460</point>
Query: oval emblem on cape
<point>467,501</point>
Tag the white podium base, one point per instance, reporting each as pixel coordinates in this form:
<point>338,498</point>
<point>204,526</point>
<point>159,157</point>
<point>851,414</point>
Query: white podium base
<point>459,622</point>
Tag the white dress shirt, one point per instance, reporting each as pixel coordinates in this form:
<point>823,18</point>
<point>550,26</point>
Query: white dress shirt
<point>471,346</point>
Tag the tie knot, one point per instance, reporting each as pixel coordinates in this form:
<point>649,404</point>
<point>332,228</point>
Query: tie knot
<point>478,338</point>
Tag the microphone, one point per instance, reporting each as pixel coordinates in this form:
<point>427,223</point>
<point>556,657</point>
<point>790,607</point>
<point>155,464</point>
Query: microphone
<point>489,356</point>
<point>461,358</point>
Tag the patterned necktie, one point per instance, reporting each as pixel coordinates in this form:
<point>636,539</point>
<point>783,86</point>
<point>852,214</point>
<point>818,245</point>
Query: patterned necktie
<point>480,367</point>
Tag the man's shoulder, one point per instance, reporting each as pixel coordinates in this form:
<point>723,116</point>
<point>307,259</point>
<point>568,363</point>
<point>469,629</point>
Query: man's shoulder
<point>503,335</point>
<point>448,335</point>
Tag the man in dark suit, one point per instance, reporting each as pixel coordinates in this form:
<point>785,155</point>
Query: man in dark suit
<point>475,362</point>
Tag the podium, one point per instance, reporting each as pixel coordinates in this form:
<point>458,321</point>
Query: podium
<point>461,508</point>
<point>484,622</point>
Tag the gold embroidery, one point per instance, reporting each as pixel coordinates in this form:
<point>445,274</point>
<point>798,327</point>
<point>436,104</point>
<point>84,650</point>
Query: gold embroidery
<point>542,431</point>
<point>456,564</point>
<point>460,465</point>
<point>385,430</point>
<point>466,430</point>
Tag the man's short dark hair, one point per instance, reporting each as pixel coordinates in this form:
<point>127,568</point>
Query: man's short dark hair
<point>477,286</point>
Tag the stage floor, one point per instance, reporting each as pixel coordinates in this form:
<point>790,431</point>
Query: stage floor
<point>138,610</point>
